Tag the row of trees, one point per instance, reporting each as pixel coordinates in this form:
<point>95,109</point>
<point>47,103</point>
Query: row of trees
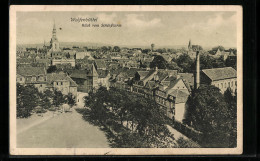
<point>28,98</point>
<point>214,114</point>
<point>144,121</point>
<point>184,63</point>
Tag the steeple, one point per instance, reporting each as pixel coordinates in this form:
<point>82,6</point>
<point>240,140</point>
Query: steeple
<point>190,45</point>
<point>54,40</point>
<point>94,70</point>
<point>54,30</point>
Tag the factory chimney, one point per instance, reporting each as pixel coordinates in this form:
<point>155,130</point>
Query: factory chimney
<point>197,71</point>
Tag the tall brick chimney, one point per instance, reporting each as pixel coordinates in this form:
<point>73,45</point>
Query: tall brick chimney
<point>197,71</point>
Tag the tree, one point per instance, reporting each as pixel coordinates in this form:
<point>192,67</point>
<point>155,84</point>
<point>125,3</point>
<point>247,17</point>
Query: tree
<point>104,49</point>
<point>52,69</point>
<point>58,98</point>
<point>45,101</point>
<point>209,113</point>
<point>159,62</point>
<point>174,66</point>
<point>185,62</point>
<point>231,100</point>
<point>231,61</point>
<point>146,51</point>
<point>206,61</point>
<point>116,49</point>
<point>27,100</point>
<point>221,48</point>
<point>70,99</point>
<point>219,62</point>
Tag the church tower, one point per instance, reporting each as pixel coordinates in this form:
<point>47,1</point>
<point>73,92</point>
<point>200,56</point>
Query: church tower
<point>190,46</point>
<point>55,46</point>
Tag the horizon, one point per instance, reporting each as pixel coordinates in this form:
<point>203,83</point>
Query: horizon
<point>95,44</point>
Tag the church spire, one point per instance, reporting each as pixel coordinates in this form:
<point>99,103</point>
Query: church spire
<point>54,30</point>
<point>190,46</point>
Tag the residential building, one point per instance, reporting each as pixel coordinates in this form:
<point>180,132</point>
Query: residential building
<point>64,61</point>
<point>61,82</point>
<point>36,76</point>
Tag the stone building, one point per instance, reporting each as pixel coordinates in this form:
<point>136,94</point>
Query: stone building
<point>220,77</point>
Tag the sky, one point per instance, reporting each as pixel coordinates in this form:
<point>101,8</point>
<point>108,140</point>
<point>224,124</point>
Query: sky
<point>207,28</point>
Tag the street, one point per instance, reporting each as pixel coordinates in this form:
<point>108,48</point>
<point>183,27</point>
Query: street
<point>66,130</point>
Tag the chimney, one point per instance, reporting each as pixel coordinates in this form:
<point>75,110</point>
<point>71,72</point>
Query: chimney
<point>197,71</point>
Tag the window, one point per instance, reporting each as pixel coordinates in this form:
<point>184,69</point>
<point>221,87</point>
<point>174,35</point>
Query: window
<point>40,85</point>
<point>57,83</point>
<point>232,84</point>
<point>225,85</point>
<point>221,85</point>
<point>228,84</point>
<point>61,83</point>
<point>235,82</point>
<point>21,79</point>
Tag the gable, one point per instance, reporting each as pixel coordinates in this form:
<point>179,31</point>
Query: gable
<point>180,85</point>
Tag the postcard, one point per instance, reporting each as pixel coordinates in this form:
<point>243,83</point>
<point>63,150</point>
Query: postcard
<point>126,80</point>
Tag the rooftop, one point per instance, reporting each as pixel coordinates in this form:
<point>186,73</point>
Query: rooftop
<point>220,73</point>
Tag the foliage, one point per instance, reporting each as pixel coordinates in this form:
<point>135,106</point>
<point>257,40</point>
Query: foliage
<point>45,101</point>
<point>174,66</point>
<point>159,62</point>
<point>52,69</point>
<point>183,143</point>
<point>209,113</point>
<point>231,61</point>
<point>116,49</point>
<point>161,50</point>
<point>70,99</point>
<point>231,100</point>
<point>27,100</point>
<point>58,98</point>
<point>143,117</point>
<point>146,51</point>
<point>185,62</point>
<point>221,48</point>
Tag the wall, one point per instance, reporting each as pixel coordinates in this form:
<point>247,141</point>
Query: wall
<point>224,84</point>
<point>179,111</point>
<point>40,87</point>
<point>80,99</point>
<point>64,61</point>
<point>20,79</point>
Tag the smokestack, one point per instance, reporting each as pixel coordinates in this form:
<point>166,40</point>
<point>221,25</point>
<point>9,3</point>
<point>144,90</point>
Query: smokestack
<point>197,72</point>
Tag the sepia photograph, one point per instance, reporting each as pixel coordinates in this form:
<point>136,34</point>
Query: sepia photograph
<point>126,80</point>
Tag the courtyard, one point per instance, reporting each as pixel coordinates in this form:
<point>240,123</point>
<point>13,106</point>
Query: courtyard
<point>59,130</point>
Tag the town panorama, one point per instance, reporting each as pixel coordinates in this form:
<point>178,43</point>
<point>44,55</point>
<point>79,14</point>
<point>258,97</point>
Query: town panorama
<point>80,96</point>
